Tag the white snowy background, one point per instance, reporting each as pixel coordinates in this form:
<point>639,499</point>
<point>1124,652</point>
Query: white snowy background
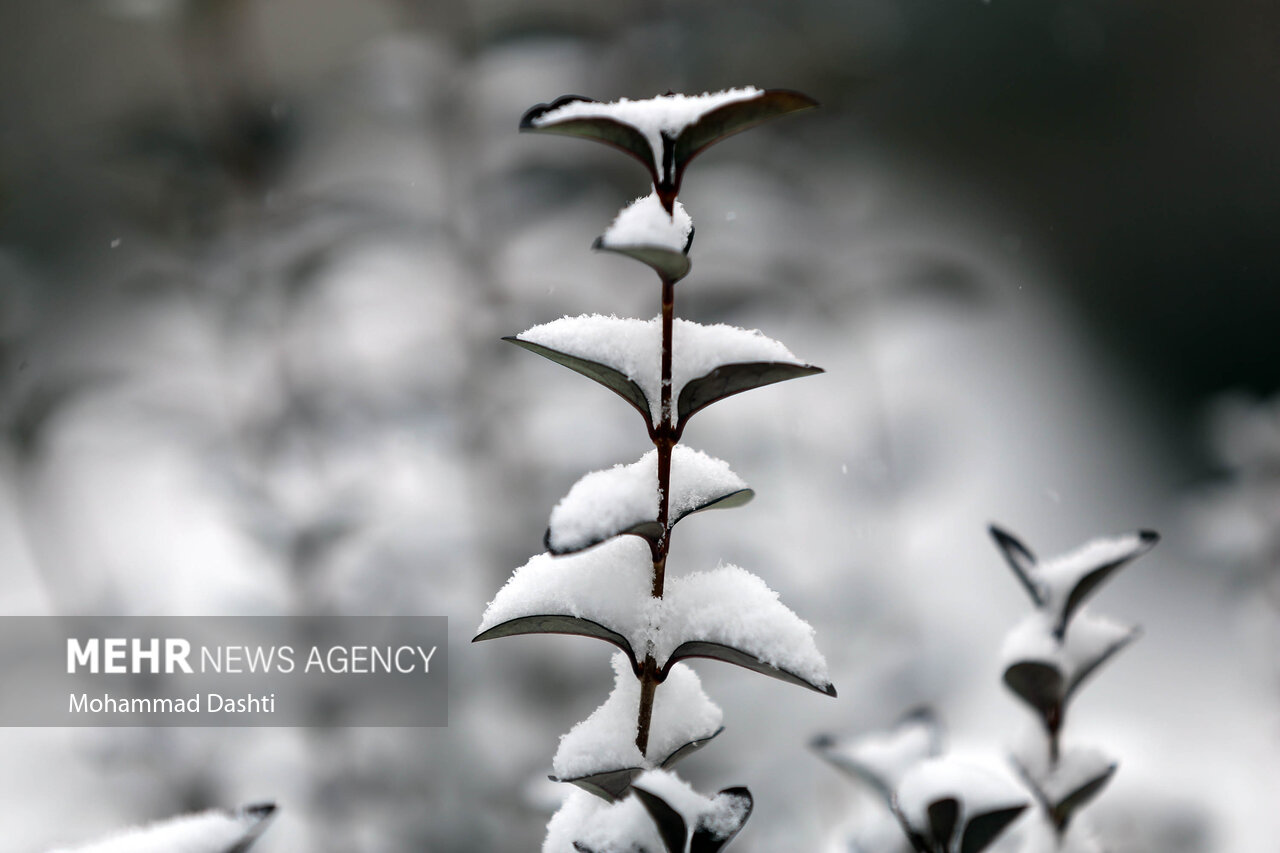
<point>256,259</point>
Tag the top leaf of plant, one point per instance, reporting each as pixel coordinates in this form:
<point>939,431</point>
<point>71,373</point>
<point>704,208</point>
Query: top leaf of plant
<point>1059,586</point>
<point>666,132</point>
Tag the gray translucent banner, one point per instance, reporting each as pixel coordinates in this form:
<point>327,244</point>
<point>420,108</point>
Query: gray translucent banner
<point>224,671</point>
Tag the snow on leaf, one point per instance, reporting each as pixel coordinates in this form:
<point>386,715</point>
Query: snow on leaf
<point>1044,670</point>
<point>731,615</point>
<point>646,232</point>
<point>632,349</point>
<point>607,376</point>
<point>671,825</point>
<point>605,741</point>
<point>1061,585</point>
<point>1065,785</point>
<point>1073,577</point>
<point>216,831</point>
<point>589,823</point>
<point>666,132</point>
<point>608,586</point>
<point>718,826</point>
<point>736,116</point>
<point>882,758</point>
<point>947,805</point>
<point>624,499</point>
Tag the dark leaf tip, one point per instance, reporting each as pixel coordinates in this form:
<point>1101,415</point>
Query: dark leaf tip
<point>822,741</point>
<point>538,110</point>
<point>261,811</point>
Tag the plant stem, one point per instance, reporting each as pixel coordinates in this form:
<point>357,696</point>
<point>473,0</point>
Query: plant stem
<point>1053,729</point>
<point>664,440</point>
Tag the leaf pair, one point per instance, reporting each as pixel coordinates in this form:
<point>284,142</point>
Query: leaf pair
<point>1047,679</point>
<point>882,758</point>
<point>599,754</point>
<point>1061,585</point>
<point>624,500</point>
<point>945,834</point>
<point>726,614</point>
<point>573,625</point>
<point>718,382</point>
<point>666,132</point>
<point>1062,788</point>
<point>946,806</point>
<point>731,808</point>
<point>612,785</point>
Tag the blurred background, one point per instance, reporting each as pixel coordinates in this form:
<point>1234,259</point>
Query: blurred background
<point>256,257</point>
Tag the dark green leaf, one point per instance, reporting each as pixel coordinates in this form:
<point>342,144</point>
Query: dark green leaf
<point>617,134</point>
<point>1020,559</point>
<point>735,117</point>
<point>609,785</point>
<point>1147,540</point>
<point>704,841</point>
<point>730,379</point>
<point>610,378</point>
<point>558,624</point>
<point>671,826</point>
<point>943,816</point>
<point>668,264</point>
<point>732,500</point>
<point>844,756</point>
<point>1068,805</point>
<point>1087,668</point>
<point>728,654</point>
<point>1039,684</point>
<point>689,748</point>
<point>918,842</point>
<point>982,829</point>
<point>825,746</point>
<point>649,530</point>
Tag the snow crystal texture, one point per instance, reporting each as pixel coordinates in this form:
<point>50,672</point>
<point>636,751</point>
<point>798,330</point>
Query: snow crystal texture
<point>644,222</point>
<point>606,503</point>
<point>605,741</point>
<point>733,607</point>
<point>207,832</point>
<point>609,585</point>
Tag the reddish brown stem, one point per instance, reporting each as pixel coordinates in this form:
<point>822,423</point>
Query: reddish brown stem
<point>664,440</point>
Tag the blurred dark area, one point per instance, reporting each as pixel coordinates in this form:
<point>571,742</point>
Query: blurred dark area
<point>1131,143</point>
<point>256,257</point>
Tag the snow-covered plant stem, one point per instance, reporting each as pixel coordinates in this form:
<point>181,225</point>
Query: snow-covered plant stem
<point>664,438</point>
<point>1047,658</point>
<point>595,580</point>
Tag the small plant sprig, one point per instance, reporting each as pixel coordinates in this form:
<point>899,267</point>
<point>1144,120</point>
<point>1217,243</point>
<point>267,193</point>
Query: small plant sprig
<point>945,806</point>
<point>604,574</point>
<point>878,760</point>
<point>1051,653</point>
<point>942,804</point>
